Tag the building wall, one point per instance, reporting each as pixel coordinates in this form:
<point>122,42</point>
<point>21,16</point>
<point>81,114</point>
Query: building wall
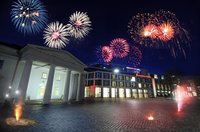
<point>133,86</point>
<point>7,70</point>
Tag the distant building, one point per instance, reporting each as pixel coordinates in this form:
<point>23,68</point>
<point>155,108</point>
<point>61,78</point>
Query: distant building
<point>187,82</point>
<point>40,73</point>
<point>104,83</point>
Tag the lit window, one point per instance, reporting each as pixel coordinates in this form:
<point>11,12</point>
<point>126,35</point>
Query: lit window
<point>139,85</point>
<point>133,79</point>
<point>155,76</point>
<point>162,77</point>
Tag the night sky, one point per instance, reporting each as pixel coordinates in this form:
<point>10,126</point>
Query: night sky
<point>109,20</point>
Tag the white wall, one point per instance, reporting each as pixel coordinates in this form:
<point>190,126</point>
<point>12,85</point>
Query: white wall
<point>37,84</point>
<point>6,75</point>
<point>58,84</point>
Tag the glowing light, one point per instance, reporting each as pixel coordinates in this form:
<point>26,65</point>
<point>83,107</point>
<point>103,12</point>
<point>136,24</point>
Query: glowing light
<point>9,87</point>
<point>79,25</point>
<point>116,70</point>
<point>107,54</point>
<point>150,31</point>
<point>55,35</point>
<point>18,112</point>
<point>24,12</point>
<point>167,32</point>
<point>7,95</point>
<point>180,96</point>
<point>17,92</point>
<point>150,118</point>
<point>120,47</point>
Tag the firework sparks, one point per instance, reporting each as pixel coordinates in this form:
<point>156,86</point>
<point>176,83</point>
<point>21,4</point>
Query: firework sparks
<point>135,56</point>
<point>107,54</point>
<point>79,25</point>
<point>28,16</point>
<point>160,29</point>
<point>150,31</point>
<point>120,47</point>
<point>166,32</point>
<point>55,35</point>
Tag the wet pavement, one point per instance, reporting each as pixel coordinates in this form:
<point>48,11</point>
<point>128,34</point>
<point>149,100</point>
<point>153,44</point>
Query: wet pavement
<point>109,116</point>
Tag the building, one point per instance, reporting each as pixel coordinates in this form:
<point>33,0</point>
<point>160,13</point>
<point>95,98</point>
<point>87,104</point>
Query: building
<point>40,73</point>
<point>104,83</point>
<point>187,83</point>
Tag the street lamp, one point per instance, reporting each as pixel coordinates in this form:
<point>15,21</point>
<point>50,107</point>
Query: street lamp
<point>116,71</point>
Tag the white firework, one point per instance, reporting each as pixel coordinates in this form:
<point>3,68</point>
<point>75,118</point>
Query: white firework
<point>55,35</point>
<point>79,25</point>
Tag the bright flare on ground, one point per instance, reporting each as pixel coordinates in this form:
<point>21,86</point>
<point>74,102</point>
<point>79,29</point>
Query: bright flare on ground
<point>150,118</point>
<point>18,111</point>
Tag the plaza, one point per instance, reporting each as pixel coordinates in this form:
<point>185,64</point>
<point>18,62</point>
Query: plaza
<point>106,115</point>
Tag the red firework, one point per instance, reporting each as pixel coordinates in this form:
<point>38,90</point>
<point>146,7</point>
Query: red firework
<point>120,47</point>
<point>107,54</point>
<point>135,56</point>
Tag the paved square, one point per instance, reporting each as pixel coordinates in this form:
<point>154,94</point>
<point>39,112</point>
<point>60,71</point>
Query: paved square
<point>110,116</point>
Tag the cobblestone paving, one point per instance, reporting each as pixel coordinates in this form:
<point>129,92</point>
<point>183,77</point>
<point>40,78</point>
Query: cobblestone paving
<point>110,116</point>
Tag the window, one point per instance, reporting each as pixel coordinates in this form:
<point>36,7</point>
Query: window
<point>132,84</point>
<point>155,76</point>
<point>1,63</point>
<point>106,75</point>
<point>138,79</point>
<point>121,77</point>
<point>162,77</point>
<point>97,82</point>
<point>145,85</point>
<point>114,83</point>
<point>133,79</point>
<point>128,84</point>
<point>121,84</point>
<point>158,87</point>
<point>98,75</point>
<point>127,78</point>
<point>106,83</point>
<point>139,85</point>
<point>91,75</point>
<point>90,82</point>
<point>114,76</point>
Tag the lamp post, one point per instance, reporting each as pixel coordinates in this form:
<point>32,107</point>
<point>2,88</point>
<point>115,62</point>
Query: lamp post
<point>116,71</point>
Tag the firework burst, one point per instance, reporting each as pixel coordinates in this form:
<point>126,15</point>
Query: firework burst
<point>160,29</point>
<point>150,31</point>
<point>107,54</point>
<point>28,16</point>
<point>166,32</point>
<point>120,47</point>
<point>55,35</point>
<point>135,56</point>
<point>79,25</point>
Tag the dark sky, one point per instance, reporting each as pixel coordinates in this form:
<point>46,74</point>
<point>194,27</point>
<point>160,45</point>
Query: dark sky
<point>109,20</point>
